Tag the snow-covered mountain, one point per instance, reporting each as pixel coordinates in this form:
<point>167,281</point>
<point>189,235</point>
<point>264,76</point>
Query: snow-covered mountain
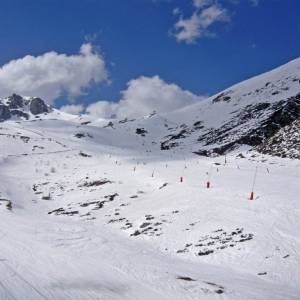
<point>16,107</point>
<point>23,108</point>
<point>245,114</point>
<point>120,209</point>
<point>248,113</point>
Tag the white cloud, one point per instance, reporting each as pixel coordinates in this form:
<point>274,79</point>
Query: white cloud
<point>142,96</point>
<point>74,109</point>
<point>197,26</point>
<point>103,109</point>
<point>51,75</point>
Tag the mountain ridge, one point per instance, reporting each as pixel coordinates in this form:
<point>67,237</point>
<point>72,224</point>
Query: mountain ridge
<point>248,113</point>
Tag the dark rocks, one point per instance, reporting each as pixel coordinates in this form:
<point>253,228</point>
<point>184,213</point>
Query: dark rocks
<point>145,224</point>
<point>116,220</point>
<point>198,125</point>
<point>285,143</point>
<point>62,211</point>
<point>167,145</point>
<point>4,113</point>
<point>109,124</point>
<point>126,120</point>
<point>37,106</point>
<point>80,135</point>
<point>95,183</point>
<point>25,138</point>
<point>262,273</point>
<point>222,97</point>
<point>100,204</point>
<point>164,185</point>
<point>15,101</point>
<point>19,113</point>
<point>217,241</point>
<point>56,211</point>
<point>85,123</point>
<point>7,202</point>
<point>246,237</point>
<point>141,131</point>
<point>84,154</point>
<point>111,197</point>
<point>136,233</point>
<point>186,278</point>
<point>205,252</point>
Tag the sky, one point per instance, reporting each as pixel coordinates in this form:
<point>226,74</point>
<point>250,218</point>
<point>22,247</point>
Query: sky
<point>129,57</point>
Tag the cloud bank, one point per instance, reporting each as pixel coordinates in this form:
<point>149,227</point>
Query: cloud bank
<point>74,109</point>
<point>142,96</point>
<point>52,75</point>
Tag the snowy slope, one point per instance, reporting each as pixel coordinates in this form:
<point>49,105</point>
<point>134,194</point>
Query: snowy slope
<point>244,114</point>
<point>90,211</point>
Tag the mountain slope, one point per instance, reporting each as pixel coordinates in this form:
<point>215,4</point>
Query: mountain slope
<point>94,209</point>
<point>244,114</point>
<point>285,143</point>
<point>248,113</point>
<point>97,216</point>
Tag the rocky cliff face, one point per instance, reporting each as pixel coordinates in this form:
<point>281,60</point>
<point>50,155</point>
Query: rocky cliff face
<point>285,143</point>
<point>18,107</point>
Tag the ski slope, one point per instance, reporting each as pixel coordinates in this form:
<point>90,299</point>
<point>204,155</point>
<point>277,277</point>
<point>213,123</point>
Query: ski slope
<point>103,215</point>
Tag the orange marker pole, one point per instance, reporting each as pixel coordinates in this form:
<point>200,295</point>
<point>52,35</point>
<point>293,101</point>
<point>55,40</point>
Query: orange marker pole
<point>253,184</point>
<point>209,174</point>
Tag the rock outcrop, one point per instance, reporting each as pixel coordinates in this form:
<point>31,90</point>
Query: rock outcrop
<point>18,107</point>
<point>37,106</point>
<point>4,112</point>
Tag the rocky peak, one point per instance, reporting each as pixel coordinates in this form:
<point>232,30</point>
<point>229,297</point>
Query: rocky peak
<point>4,112</point>
<point>15,101</point>
<point>38,106</point>
<point>20,107</point>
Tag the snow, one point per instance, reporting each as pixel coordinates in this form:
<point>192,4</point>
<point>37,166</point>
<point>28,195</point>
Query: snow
<point>92,255</point>
<point>100,213</point>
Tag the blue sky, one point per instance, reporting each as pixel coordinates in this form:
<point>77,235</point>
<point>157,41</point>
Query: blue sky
<point>138,38</point>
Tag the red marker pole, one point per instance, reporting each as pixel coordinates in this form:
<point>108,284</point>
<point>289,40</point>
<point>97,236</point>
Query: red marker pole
<point>185,167</point>
<point>209,177</point>
<point>253,184</point>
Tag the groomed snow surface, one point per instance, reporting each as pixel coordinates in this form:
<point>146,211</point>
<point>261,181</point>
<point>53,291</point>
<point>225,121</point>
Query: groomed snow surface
<point>92,218</point>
